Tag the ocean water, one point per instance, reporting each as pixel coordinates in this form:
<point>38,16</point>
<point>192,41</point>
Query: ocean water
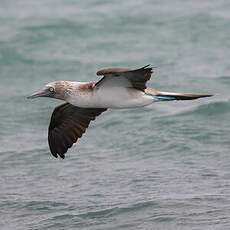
<point>165,166</point>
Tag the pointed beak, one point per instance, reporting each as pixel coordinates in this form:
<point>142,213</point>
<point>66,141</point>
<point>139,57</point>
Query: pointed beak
<point>42,93</point>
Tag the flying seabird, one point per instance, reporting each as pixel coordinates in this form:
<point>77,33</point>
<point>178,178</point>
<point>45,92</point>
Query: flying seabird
<point>118,88</point>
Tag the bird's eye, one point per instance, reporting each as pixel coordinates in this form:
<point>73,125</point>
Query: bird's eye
<point>51,89</point>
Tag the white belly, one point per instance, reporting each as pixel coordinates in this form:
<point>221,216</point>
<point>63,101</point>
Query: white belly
<point>119,97</point>
<point>114,98</point>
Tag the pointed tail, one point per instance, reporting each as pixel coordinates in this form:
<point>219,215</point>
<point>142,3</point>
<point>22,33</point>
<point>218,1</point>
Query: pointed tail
<point>166,96</point>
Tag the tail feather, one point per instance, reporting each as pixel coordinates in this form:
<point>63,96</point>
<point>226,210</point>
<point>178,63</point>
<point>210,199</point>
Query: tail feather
<point>167,96</point>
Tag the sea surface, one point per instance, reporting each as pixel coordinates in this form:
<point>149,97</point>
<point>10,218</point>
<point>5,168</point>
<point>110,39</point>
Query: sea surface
<point>165,166</point>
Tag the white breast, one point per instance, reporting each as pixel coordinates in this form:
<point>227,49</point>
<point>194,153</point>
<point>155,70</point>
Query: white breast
<point>115,98</point>
<point>109,97</point>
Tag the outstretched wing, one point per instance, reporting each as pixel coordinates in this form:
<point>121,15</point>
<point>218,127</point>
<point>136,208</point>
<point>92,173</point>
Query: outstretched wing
<point>125,77</point>
<point>67,124</point>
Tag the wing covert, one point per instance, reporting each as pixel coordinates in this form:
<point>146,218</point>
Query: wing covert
<point>137,77</point>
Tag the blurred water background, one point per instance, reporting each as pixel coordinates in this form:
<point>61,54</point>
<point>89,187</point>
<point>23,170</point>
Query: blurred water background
<point>166,166</point>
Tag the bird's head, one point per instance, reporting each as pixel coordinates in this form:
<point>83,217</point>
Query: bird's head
<point>55,89</point>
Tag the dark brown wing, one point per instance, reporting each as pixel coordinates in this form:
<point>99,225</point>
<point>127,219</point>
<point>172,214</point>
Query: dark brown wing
<point>112,71</point>
<point>67,124</point>
<point>137,77</point>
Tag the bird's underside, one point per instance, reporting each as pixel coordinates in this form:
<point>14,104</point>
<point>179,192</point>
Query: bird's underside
<point>68,122</point>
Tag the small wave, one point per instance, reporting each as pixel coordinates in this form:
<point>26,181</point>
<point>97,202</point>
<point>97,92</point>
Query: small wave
<point>43,205</point>
<point>117,210</point>
<point>211,109</point>
<point>65,25</point>
<point>224,79</point>
<point>102,213</point>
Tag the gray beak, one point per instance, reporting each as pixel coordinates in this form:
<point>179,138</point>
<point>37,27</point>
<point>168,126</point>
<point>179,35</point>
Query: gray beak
<point>42,93</point>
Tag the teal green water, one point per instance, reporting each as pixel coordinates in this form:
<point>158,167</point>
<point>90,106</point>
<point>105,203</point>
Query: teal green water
<point>166,166</point>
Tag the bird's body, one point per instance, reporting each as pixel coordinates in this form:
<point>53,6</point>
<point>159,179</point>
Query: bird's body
<point>87,95</point>
<point>118,88</point>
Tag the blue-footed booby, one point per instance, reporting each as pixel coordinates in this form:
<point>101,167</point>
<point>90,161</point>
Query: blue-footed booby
<point>118,88</point>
